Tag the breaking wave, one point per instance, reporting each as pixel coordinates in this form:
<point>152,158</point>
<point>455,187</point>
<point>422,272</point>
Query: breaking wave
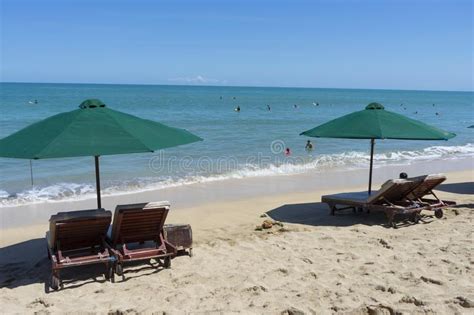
<point>288,166</point>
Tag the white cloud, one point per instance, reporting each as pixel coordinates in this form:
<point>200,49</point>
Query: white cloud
<point>199,79</point>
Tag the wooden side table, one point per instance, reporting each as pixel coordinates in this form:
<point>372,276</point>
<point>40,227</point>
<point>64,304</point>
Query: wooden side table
<point>181,236</point>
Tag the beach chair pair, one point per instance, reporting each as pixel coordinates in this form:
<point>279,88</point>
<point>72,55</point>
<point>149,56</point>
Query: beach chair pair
<point>87,237</point>
<point>404,197</point>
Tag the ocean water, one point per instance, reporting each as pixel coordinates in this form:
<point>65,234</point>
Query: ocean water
<point>236,144</point>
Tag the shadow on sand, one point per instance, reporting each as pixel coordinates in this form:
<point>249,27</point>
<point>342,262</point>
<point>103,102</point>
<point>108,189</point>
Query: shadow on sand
<point>24,263</point>
<point>27,263</point>
<point>317,214</point>
<point>466,188</point>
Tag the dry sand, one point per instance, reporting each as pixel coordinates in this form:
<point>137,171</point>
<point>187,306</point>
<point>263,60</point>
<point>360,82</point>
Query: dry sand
<point>315,264</point>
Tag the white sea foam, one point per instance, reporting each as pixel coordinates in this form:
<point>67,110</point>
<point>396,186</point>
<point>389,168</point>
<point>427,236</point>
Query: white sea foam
<point>323,162</point>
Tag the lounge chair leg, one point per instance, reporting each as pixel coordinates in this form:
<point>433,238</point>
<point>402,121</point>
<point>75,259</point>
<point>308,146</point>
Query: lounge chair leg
<point>167,262</point>
<point>190,252</point>
<point>111,274</point>
<point>416,217</point>
<point>391,218</point>
<point>55,281</point>
<point>107,271</point>
<point>119,270</point>
<point>439,213</point>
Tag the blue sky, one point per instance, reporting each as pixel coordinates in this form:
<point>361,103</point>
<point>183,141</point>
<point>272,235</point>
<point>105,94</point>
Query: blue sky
<point>349,44</point>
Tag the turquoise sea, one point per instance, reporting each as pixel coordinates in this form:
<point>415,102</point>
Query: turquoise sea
<point>236,144</point>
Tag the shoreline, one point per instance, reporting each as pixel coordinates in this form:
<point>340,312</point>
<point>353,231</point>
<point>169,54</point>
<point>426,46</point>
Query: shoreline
<point>228,190</point>
<point>198,204</point>
<point>58,190</point>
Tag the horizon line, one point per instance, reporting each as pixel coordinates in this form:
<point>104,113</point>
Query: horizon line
<point>237,86</point>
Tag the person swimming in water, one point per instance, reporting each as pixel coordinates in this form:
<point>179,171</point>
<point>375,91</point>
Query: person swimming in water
<point>287,152</point>
<point>295,106</point>
<point>269,108</point>
<point>237,109</point>
<point>309,146</point>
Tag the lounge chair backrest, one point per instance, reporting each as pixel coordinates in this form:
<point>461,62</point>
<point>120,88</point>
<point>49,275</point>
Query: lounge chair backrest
<point>78,229</point>
<point>139,222</point>
<point>428,183</point>
<point>393,190</point>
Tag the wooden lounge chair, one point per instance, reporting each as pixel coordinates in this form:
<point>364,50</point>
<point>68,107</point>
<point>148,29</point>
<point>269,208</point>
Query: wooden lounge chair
<point>77,238</point>
<point>391,199</point>
<point>428,183</point>
<point>137,234</point>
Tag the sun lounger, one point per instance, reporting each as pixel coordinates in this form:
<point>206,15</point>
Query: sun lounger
<point>137,234</point>
<point>78,238</point>
<point>428,183</point>
<point>391,198</point>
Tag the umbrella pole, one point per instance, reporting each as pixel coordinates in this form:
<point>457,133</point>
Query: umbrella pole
<point>31,173</point>
<point>97,181</point>
<point>372,143</point>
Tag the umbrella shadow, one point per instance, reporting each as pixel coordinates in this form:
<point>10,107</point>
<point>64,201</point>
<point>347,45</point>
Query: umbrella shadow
<point>466,188</point>
<point>27,263</point>
<point>318,214</point>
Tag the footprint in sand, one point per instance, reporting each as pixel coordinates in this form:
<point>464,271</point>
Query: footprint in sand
<point>256,289</point>
<point>40,301</point>
<point>412,300</point>
<point>292,311</point>
<point>283,271</point>
<point>384,243</point>
<point>307,260</point>
<point>464,302</point>
<point>430,280</point>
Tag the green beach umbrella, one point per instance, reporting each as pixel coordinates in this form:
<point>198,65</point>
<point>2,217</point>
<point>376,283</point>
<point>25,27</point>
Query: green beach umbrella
<point>92,130</point>
<point>377,123</point>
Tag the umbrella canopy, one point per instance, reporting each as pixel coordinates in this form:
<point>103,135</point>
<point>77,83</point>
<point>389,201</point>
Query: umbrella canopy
<point>92,130</point>
<point>374,122</point>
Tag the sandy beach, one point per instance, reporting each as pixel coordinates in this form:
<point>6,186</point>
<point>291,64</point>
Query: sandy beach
<point>128,128</point>
<point>314,264</point>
